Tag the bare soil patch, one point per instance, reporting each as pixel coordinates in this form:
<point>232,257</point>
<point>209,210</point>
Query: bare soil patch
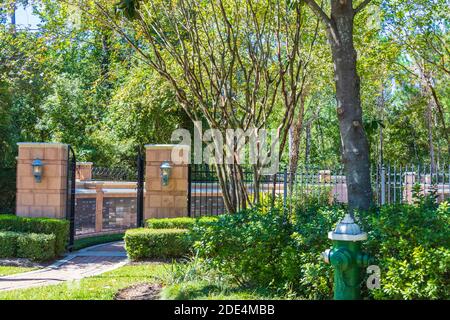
<point>142,291</point>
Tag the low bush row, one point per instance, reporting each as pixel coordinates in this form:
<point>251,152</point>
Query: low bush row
<point>145,243</point>
<point>178,223</point>
<point>163,238</point>
<point>35,246</point>
<point>58,228</point>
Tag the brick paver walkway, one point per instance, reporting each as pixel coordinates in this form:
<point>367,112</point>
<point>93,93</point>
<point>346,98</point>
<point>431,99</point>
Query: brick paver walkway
<point>80,264</point>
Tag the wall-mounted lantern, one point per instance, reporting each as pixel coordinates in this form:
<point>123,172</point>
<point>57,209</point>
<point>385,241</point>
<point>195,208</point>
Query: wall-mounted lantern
<point>165,172</point>
<point>37,166</point>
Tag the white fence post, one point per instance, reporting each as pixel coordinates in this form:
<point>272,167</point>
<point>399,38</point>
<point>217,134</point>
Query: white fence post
<point>383,185</point>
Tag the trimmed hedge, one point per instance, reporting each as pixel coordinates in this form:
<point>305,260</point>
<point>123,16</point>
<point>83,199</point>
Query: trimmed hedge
<point>59,228</point>
<point>179,223</point>
<point>8,244</point>
<point>146,243</point>
<point>35,246</point>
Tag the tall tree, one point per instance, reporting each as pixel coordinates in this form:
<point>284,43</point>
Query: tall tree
<point>355,148</point>
<point>235,65</point>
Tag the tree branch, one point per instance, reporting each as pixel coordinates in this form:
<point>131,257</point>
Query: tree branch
<point>361,6</point>
<point>318,11</point>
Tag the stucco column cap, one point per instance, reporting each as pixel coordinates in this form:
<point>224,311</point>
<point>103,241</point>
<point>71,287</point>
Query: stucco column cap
<point>42,144</point>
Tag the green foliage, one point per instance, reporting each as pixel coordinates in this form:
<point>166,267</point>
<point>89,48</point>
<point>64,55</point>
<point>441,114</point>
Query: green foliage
<point>412,248</point>
<point>8,244</point>
<point>248,246</point>
<point>178,223</point>
<point>259,249</point>
<point>425,200</point>
<point>147,243</point>
<point>7,189</point>
<point>35,246</point>
<point>192,280</point>
<point>310,198</point>
<point>57,227</point>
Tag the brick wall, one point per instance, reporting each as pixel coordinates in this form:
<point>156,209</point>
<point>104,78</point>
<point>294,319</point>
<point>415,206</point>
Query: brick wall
<point>48,197</point>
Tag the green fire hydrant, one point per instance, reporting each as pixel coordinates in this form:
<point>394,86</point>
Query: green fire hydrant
<point>347,259</point>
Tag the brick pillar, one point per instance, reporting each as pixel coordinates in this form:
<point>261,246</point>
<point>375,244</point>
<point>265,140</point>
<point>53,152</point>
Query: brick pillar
<point>83,171</point>
<point>410,180</point>
<point>324,176</point>
<point>171,200</point>
<point>48,197</point>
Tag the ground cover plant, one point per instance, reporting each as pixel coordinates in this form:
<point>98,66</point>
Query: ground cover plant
<point>94,240</point>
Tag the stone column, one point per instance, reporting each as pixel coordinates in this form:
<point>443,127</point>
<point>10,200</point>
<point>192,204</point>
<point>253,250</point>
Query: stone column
<point>410,180</point>
<point>171,200</point>
<point>83,171</point>
<point>48,197</point>
<point>324,176</point>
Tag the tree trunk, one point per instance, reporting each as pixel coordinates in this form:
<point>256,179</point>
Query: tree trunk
<point>355,148</point>
<point>13,17</point>
<point>440,112</point>
<point>381,105</point>
<point>296,138</point>
<point>429,115</point>
<point>307,142</point>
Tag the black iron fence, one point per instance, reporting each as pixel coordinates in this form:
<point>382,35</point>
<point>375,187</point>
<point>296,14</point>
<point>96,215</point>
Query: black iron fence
<point>320,186</point>
<point>7,190</point>
<point>205,193</point>
<point>114,174</point>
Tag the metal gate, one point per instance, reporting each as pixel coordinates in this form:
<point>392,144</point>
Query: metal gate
<point>110,200</point>
<point>71,185</point>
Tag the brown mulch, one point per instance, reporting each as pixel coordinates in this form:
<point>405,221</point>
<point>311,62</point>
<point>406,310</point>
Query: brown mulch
<point>142,291</point>
<point>22,262</point>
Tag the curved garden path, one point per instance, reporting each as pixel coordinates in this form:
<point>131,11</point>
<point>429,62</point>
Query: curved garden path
<point>74,266</point>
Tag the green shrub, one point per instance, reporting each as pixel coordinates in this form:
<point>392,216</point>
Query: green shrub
<point>410,243</point>
<point>178,223</point>
<point>8,244</point>
<point>36,246</point>
<point>60,228</point>
<point>157,243</point>
<point>248,246</point>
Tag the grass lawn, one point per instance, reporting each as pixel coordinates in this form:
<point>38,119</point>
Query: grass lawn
<point>199,290</point>
<point>91,241</point>
<point>105,286</point>
<point>101,287</point>
<point>6,270</point>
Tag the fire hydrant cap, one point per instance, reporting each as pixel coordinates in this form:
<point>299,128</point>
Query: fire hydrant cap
<point>347,230</point>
